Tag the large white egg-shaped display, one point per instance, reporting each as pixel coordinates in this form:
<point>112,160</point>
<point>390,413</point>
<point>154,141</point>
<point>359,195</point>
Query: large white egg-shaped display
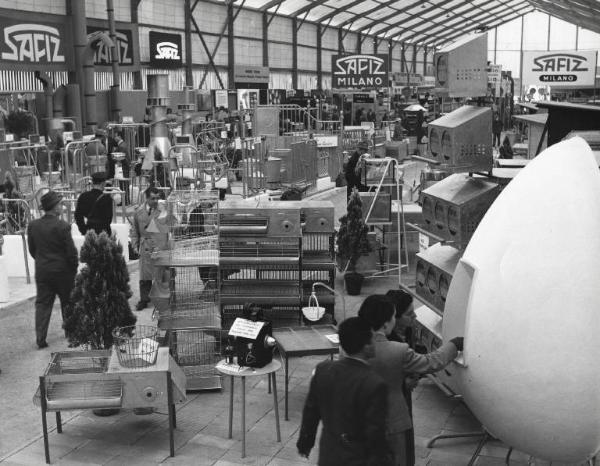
<point>526,297</point>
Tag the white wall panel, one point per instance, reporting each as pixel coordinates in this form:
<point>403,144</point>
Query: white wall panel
<point>280,80</point>
<point>167,13</point>
<point>199,56</point>
<point>56,7</point>
<point>280,56</point>
<point>326,60</point>
<point>307,34</point>
<point>367,45</point>
<point>248,24</point>
<point>97,9</point>
<point>307,81</point>
<point>307,58</point>
<point>330,39</point>
<point>280,29</point>
<point>210,17</point>
<point>350,42</point>
<point>248,52</point>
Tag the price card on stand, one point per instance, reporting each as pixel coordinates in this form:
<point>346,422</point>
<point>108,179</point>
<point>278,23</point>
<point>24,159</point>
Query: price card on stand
<point>245,328</point>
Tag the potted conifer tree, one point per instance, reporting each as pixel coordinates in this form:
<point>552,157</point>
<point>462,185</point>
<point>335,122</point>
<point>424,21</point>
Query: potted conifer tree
<point>99,300</point>
<point>352,242</point>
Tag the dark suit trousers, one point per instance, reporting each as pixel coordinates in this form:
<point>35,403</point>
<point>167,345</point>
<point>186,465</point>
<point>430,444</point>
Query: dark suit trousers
<point>47,288</point>
<point>145,287</point>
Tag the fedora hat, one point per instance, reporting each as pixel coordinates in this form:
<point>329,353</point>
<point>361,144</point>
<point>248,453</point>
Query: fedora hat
<point>98,177</point>
<point>50,199</point>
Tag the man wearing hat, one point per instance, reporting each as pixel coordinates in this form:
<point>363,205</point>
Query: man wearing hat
<point>351,173</point>
<point>94,210</point>
<point>51,245</point>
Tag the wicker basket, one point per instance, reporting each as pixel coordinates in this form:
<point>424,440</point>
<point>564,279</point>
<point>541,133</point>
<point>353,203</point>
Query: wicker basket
<point>136,345</point>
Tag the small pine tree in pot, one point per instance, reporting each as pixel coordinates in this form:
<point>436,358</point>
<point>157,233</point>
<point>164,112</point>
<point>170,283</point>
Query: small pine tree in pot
<point>99,300</point>
<point>352,242</point>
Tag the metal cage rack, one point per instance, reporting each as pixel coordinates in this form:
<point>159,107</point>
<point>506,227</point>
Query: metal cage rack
<point>186,285</point>
<point>186,296</point>
<point>197,351</point>
<point>264,271</point>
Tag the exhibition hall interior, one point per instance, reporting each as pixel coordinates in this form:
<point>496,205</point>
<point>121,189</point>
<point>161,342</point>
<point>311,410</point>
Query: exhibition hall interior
<point>294,232</point>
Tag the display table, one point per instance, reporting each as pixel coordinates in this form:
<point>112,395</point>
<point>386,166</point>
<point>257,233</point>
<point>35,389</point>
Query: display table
<point>233,371</point>
<point>303,341</point>
<point>96,380</point>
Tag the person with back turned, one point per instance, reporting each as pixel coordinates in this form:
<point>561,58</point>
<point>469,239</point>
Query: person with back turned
<point>51,245</point>
<point>350,399</point>
<point>94,209</point>
<point>393,361</point>
<point>352,170</point>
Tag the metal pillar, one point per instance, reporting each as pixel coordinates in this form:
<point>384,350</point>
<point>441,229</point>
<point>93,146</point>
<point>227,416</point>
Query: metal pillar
<point>319,57</point>
<point>189,77</point>
<point>115,89</point>
<point>84,70</point>
<point>294,53</point>
<point>230,45</point>
<point>265,38</point>
<point>137,75</point>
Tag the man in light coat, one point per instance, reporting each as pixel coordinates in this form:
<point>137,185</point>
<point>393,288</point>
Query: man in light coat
<point>146,238</point>
<point>393,361</point>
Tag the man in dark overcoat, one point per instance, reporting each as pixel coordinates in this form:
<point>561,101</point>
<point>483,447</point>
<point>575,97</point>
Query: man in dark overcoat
<point>51,245</point>
<point>94,209</point>
<point>350,399</point>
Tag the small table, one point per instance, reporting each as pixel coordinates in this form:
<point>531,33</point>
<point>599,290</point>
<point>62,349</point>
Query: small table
<point>233,371</point>
<point>303,341</point>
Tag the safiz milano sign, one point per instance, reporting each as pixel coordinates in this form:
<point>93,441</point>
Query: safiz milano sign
<point>559,68</point>
<point>165,50</point>
<point>30,44</point>
<point>359,71</point>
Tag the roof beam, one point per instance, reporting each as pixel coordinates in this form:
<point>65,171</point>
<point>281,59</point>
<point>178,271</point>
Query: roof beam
<point>441,27</point>
<point>398,12</point>
<point>270,4</point>
<point>457,17</point>
<point>582,20</point>
<point>307,8</point>
<point>382,5</point>
<point>424,21</point>
<point>339,10</point>
<point>497,20</point>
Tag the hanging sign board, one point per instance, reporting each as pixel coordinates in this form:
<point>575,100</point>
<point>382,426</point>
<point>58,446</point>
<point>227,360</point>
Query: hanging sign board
<point>359,71</point>
<point>221,99</point>
<point>127,47</point>
<point>250,74</point>
<point>560,68</point>
<point>165,50</point>
<point>30,42</point>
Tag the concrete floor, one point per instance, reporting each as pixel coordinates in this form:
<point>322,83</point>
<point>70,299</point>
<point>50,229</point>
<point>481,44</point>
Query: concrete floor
<point>202,421</point>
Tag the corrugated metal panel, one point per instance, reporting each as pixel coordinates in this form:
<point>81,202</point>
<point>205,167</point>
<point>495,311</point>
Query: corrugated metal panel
<point>24,81</point>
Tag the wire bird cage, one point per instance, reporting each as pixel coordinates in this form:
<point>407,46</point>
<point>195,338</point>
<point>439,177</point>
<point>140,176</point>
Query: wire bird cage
<point>136,345</point>
<point>186,296</point>
<point>193,224</point>
<point>197,351</point>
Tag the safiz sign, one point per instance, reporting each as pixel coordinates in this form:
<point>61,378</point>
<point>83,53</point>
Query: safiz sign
<point>359,71</point>
<point>165,50</point>
<point>560,68</point>
<point>31,44</point>
<point>125,47</point>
